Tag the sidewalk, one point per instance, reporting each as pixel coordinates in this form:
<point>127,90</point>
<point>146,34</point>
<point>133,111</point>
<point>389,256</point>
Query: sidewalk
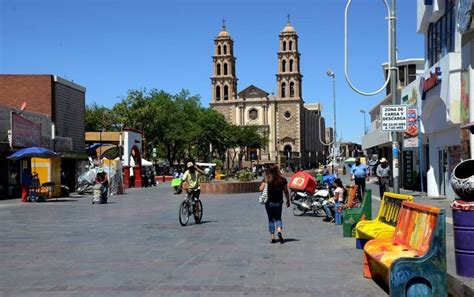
<point>457,285</point>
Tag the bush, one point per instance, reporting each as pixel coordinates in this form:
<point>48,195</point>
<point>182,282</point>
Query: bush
<point>245,176</point>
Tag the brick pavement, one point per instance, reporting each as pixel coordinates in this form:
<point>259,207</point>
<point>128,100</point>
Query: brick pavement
<point>134,246</point>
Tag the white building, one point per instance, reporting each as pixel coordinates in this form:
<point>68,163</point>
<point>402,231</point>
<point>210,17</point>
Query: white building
<point>440,89</point>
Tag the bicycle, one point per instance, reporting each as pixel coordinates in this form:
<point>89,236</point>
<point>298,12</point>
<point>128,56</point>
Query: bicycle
<point>191,205</point>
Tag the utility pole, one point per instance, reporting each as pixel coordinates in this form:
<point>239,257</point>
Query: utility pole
<point>393,91</point>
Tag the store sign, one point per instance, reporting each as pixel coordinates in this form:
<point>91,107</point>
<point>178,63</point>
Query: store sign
<point>408,170</point>
<point>24,133</point>
<point>432,81</point>
<point>393,117</point>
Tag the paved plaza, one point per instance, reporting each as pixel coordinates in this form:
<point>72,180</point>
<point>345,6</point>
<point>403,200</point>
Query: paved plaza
<point>134,246</point>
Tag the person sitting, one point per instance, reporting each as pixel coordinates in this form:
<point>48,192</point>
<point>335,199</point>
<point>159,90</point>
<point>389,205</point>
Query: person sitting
<point>332,205</point>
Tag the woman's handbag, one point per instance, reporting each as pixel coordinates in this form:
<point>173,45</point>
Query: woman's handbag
<point>263,199</point>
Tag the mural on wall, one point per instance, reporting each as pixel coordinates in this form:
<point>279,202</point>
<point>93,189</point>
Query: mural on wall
<point>464,112</point>
<point>410,136</point>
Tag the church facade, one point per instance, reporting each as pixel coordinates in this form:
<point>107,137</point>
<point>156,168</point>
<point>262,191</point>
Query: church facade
<point>294,129</point>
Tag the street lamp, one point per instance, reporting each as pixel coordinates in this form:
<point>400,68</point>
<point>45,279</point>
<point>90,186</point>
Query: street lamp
<point>365,125</point>
<point>330,73</point>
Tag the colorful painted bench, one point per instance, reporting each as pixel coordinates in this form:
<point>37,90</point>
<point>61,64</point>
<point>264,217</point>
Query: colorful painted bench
<point>353,215</point>
<point>383,226</point>
<point>413,261</point>
<point>351,197</point>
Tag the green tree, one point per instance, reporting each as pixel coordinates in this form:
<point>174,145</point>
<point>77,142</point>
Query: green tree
<point>98,118</point>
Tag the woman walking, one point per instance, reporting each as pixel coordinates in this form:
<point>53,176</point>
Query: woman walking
<point>277,186</point>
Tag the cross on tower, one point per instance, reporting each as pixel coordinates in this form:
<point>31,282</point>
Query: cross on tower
<point>288,16</point>
<point>223,24</point>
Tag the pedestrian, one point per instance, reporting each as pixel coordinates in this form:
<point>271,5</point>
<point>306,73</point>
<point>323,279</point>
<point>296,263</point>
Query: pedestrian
<point>103,181</point>
<point>325,170</point>
<point>383,175</point>
<point>276,186</point>
<point>359,175</point>
<point>25,184</point>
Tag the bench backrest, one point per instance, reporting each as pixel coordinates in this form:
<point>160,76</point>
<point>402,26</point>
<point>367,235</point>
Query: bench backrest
<point>390,207</point>
<point>416,226</point>
<point>351,197</point>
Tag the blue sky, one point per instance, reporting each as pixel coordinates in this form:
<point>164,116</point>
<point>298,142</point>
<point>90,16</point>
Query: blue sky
<point>111,46</point>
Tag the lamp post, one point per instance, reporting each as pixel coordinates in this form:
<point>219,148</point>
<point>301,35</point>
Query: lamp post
<point>365,125</point>
<point>330,73</point>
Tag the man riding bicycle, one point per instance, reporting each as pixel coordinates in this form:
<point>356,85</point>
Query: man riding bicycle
<point>191,178</point>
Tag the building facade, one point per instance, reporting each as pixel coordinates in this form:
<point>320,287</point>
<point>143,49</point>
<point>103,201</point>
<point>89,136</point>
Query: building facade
<point>63,103</point>
<point>292,128</point>
<point>441,109</point>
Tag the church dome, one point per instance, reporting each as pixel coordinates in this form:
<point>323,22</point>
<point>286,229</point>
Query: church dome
<point>223,33</point>
<point>288,29</point>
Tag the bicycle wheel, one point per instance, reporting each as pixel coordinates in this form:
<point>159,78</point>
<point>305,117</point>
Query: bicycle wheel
<point>198,211</point>
<point>184,213</point>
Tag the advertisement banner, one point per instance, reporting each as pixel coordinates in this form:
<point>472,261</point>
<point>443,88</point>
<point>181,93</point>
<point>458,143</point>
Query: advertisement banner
<point>465,134</point>
<point>410,135</point>
<point>25,133</point>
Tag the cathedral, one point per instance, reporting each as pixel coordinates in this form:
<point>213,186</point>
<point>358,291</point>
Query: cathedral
<point>294,129</point>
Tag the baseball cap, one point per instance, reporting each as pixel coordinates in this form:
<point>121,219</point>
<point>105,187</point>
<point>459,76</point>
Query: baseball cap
<point>189,164</point>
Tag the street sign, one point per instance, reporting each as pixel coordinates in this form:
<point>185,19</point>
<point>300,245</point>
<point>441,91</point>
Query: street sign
<point>393,117</point>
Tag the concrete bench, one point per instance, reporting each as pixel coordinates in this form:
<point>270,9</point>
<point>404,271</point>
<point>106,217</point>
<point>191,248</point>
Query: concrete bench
<point>353,215</point>
<point>413,261</point>
<point>383,226</point>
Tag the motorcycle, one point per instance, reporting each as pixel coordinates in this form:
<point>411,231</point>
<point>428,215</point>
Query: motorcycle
<point>305,201</point>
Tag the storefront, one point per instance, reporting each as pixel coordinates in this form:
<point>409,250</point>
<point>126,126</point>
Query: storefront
<point>440,110</point>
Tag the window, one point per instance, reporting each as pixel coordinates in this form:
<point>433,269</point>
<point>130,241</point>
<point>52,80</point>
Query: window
<point>292,89</point>
<point>287,115</point>
<point>253,114</point>
<point>411,73</point>
<point>218,93</point>
<point>226,93</point>
<point>440,36</point>
<point>284,45</point>
<point>283,90</point>
<point>283,66</point>
<point>218,69</point>
<point>218,49</point>
<point>225,49</point>
<point>290,45</point>
<point>291,65</point>
<point>401,76</point>
<point>225,68</point>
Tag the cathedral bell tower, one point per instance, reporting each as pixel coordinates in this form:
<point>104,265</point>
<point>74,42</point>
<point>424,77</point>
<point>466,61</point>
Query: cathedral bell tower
<point>289,75</point>
<point>224,81</point>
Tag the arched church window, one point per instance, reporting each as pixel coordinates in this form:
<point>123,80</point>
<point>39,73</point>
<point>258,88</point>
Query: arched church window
<point>218,70</point>
<point>225,68</point>
<point>283,90</point>
<point>218,93</point>
<point>291,65</point>
<point>225,49</point>
<point>226,93</point>
<point>283,66</point>
<point>292,89</point>
<point>290,45</point>
<point>253,114</point>
<point>284,45</point>
<point>218,49</point>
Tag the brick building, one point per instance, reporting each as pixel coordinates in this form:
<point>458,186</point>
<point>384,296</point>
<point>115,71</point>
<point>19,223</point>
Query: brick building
<point>63,102</point>
<point>291,126</point>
